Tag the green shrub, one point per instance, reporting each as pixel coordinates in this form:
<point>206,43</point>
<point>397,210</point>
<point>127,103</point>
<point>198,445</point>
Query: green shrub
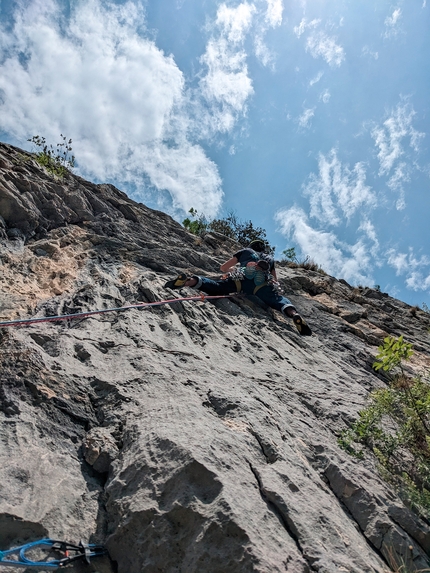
<point>241,231</point>
<point>395,427</point>
<point>391,353</point>
<point>290,255</point>
<point>291,259</point>
<point>197,225</point>
<point>230,226</point>
<point>57,161</point>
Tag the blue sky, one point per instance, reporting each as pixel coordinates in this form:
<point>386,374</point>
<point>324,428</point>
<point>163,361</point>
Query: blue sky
<point>308,117</point>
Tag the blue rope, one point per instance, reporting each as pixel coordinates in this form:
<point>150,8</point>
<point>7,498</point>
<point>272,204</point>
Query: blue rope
<point>81,551</point>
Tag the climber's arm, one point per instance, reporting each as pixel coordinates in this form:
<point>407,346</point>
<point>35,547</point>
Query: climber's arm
<point>225,267</point>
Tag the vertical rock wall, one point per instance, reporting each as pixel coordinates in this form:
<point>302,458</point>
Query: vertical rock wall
<point>195,437</point>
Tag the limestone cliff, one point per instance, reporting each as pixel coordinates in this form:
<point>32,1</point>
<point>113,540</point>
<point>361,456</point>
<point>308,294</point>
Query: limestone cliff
<point>199,437</point>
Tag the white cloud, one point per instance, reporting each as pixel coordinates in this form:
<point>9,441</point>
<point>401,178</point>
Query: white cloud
<point>366,51</point>
<point>392,23</point>
<point>273,15</point>
<point>178,169</point>
<point>337,191</point>
<point>321,45</point>
<point>399,261</point>
<point>393,19</point>
<point>388,137</point>
<point>227,80</point>
<point>95,78</point>
<point>305,119</point>
<point>418,281</point>
<point>351,262</point>
<point>226,85</point>
<point>325,96</point>
<point>417,278</point>
<point>235,22</point>
<point>369,229</point>
<point>395,183</point>
<point>304,25</point>
<point>316,79</point>
<point>299,30</point>
<point>272,19</point>
<point>262,52</point>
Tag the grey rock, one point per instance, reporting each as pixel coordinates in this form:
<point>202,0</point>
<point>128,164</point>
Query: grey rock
<point>199,436</point>
<point>100,449</point>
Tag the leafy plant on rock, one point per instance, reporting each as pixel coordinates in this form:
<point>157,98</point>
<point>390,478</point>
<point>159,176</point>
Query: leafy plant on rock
<point>395,427</point>
<point>307,263</point>
<point>241,231</point>
<point>56,160</point>
<point>197,224</point>
<point>290,255</point>
<point>230,226</point>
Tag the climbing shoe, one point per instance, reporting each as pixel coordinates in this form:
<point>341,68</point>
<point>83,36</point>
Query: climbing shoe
<point>301,325</point>
<point>178,282</point>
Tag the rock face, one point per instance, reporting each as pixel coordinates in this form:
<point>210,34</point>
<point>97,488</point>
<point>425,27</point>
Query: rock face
<point>197,437</point>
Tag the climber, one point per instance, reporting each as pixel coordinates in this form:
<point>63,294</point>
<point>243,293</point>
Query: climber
<point>255,275</point>
<point>254,252</point>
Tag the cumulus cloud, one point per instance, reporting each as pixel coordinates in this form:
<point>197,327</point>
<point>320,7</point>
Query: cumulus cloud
<point>226,85</point>
<point>96,78</point>
<point>352,262</point>
<point>337,192</point>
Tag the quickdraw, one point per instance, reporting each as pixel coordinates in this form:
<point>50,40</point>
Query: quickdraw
<point>16,557</point>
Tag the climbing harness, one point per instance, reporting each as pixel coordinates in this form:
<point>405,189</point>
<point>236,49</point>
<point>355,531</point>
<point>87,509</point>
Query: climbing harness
<point>260,278</point>
<point>23,322</point>
<point>71,553</point>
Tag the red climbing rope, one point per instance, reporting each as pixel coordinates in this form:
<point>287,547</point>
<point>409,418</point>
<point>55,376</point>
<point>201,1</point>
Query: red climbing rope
<point>143,305</point>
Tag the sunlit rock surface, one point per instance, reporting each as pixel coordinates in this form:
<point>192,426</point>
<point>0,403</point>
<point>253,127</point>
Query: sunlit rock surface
<point>197,437</point>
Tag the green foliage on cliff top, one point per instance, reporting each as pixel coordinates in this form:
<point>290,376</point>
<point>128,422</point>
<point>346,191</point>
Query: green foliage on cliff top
<point>231,226</point>
<point>56,160</point>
